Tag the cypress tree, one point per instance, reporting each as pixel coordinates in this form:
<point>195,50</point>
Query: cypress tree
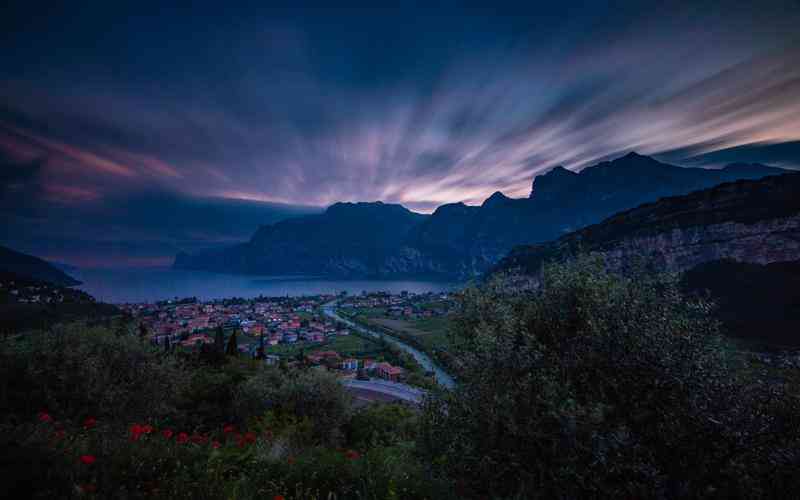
<point>219,340</point>
<point>232,348</point>
<point>260,350</point>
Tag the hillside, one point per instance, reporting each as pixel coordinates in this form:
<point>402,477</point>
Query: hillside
<point>347,239</point>
<point>28,266</point>
<point>458,241</point>
<point>738,242</point>
<point>749,221</point>
<point>27,304</point>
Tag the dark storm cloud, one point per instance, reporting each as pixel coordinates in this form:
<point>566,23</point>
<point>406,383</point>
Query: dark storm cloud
<point>422,107</point>
<point>783,154</point>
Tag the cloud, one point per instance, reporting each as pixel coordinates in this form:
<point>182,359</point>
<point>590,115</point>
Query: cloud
<point>780,154</point>
<point>312,106</point>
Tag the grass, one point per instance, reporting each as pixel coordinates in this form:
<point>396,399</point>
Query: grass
<point>430,332</point>
<point>347,345</point>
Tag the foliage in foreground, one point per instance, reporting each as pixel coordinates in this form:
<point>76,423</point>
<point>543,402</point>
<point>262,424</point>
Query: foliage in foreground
<point>591,386</point>
<point>597,385</point>
<point>88,413</point>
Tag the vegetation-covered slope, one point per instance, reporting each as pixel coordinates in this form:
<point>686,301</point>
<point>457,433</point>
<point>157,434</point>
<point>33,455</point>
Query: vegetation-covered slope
<point>28,266</point>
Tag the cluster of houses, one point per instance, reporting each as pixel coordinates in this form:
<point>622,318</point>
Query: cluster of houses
<point>404,305</point>
<point>333,360</point>
<point>276,320</point>
<point>35,292</point>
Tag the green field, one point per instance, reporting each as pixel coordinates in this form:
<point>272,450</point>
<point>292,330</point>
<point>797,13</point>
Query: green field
<point>430,332</point>
<point>348,346</point>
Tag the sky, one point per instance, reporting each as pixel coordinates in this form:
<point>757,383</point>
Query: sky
<point>131,131</point>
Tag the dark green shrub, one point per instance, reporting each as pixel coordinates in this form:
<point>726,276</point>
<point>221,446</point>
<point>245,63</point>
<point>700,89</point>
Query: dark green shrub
<point>76,371</point>
<point>598,385</point>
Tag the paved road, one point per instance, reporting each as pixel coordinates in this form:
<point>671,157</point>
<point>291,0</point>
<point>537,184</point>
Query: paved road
<point>382,390</point>
<point>442,377</point>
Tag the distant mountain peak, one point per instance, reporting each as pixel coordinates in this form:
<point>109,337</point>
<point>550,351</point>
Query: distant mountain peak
<point>451,208</point>
<point>554,179</point>
<point>347,207</point>
<point>497,198</point>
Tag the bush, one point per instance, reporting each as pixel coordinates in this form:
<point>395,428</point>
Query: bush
<point>305,394</point>
<point>77,371</point>
<point>597,385</point>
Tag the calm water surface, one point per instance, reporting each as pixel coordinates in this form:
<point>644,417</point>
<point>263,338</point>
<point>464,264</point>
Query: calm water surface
<point>145,285</point>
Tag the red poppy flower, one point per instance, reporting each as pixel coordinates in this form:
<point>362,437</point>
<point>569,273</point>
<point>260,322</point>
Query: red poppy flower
<point>198,439</point>
<point>136,431</point>
<point>250,437</point>
<point>89,423</point>
<point>45,417</point>
<point>147,429</point>
<point>167,433</point>
<point>215,444</point>
<point>352,455</point>
<point>88,459</point>
<point>228,429</point>
<point>290,460</point>
<point>182,438</point>
<point>279,497</point>
<point>59,434</point>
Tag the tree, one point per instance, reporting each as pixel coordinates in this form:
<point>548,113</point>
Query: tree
<point>219,340</point>
<point>260,351</point>
<point>600,385</point>
<point>142,331</point>
<point>232,349</point>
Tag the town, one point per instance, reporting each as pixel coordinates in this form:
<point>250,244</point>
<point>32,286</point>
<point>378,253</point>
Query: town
<point>291,330</point>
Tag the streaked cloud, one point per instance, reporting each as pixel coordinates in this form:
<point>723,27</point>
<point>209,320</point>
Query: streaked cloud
<point>448,104</point>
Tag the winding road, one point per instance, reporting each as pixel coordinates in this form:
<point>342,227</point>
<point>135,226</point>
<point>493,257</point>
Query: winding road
<point>442,377</point>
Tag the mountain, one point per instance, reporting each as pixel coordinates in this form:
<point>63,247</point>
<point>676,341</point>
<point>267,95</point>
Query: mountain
<point>457,240</point>
<point>28,266</point>
<point>746,221</point>
<point>737,242</point>
<point>560,201</point>
<point>347,239</point>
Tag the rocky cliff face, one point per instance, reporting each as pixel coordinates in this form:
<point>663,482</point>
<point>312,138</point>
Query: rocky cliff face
<point>678,250</point>
<point>746,221</point>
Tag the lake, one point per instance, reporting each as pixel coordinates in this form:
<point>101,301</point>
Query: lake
<point>148,285</point>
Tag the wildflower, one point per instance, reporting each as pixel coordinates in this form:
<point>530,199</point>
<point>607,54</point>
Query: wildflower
<point>88,459</point>
<point>136,431</point>
<point>167,433</point>
<point>215,444</point>
<point>89,423</point>
<point>228,429</point>
<point>198,439</point>
<point>147,429</point>
<point>45,417</point>
<point>352,455</point>
<point>250,437</point>
<point>182,438</point>
<point>290,460</point>
<point>279,497</point>
<point>59,434</point>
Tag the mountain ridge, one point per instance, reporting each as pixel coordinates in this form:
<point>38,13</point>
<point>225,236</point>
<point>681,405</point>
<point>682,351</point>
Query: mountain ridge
<point>754,221</point>
<point>31,267</point>
<point>457,240</point>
